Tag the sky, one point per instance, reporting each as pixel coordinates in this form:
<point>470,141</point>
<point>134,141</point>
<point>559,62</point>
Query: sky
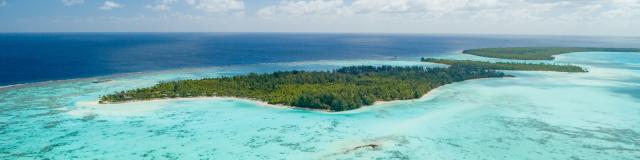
<point>522,17</point>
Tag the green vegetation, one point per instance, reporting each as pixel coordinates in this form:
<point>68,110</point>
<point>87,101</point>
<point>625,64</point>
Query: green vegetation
<point>342,89</point>
<point>508,65</point>
<point>338,90</point>
<point>538,53</point>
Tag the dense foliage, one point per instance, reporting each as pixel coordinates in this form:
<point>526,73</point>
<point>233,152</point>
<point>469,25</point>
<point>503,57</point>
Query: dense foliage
<point>338,90</point>
<point>538,53</point>
<point>508,65</point>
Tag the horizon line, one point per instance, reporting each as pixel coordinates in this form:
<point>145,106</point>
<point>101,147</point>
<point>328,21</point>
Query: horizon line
<point>333,33</point>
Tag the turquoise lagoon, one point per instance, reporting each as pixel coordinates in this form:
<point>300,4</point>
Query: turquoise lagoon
<point>536,115</point>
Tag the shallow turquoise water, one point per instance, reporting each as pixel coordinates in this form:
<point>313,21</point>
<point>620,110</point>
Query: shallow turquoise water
<point>536,115</point>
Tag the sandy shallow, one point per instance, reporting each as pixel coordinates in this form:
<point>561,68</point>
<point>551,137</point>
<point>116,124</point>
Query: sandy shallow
<point>139,107</point>
<point>536,115</point>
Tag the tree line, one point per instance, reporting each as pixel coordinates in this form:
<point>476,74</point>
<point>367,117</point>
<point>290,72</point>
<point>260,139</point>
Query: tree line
<point>342,89</point>
<point>509,65</point>
<point>538,53</point>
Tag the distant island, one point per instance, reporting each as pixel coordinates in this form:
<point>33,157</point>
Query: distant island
<point>509,65</point>
<point>538,53</point>
<point>338,90</point>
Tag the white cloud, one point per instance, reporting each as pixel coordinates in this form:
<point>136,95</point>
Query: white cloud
<point>486,10</point>
<point>411,16</point>
<point>322,7</point>
<point>3,3</point>
<point>218,6</point>
<point>161,5</point>
<point>629,3</point>
<point>601,17</point>
<point>267,11</point>
<point>311,7</point>
<point>108,5</point>
<point>623,9</point>
<point>213,6</point>
<point>72,2</point>
<point>381,5</point>
<point>433,8</point>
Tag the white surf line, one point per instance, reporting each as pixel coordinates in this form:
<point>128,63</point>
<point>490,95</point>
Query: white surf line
<point>83,108</point>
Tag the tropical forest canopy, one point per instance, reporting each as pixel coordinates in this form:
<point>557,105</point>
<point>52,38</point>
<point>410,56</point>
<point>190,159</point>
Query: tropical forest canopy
<point>538,53</point>
<point>521,66</point>
<point>337,90</point>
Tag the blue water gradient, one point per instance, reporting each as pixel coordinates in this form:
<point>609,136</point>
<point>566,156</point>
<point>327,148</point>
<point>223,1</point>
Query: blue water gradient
<point>37,57</point>
<point>536,115</point>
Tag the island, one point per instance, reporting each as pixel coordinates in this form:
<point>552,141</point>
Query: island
<point>341,89</point>
<point>538,53</point>
<point>522,66</point>
<point>350,87</point>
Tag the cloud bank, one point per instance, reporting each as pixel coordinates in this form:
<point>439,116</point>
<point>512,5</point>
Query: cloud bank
<point>463,9</point>
<point>557,17</point>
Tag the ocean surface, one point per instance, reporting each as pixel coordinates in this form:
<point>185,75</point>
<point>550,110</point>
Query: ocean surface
<point>535,115</point>
<point>37,57</point>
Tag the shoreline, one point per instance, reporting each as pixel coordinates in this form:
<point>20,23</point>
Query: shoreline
<point>258,102</point>
<point>255,101</point>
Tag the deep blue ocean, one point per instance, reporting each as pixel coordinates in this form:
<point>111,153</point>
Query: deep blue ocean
<point>533,115</point>
<point>36,57</point>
